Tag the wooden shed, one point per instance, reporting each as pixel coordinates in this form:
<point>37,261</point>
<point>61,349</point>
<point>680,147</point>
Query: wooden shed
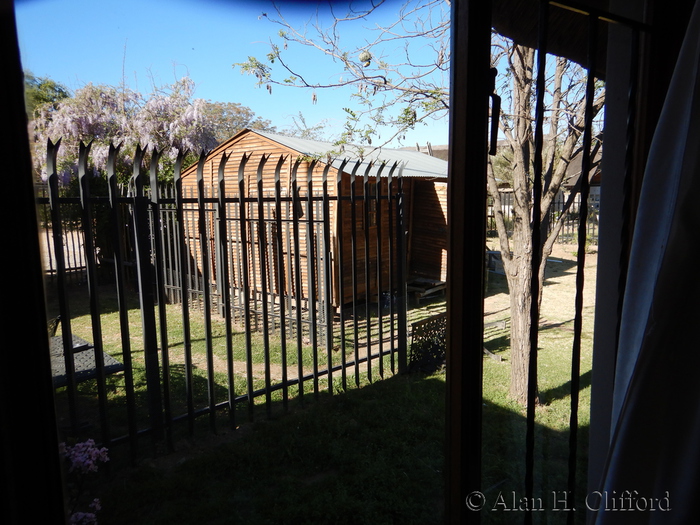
<point>297,242</point>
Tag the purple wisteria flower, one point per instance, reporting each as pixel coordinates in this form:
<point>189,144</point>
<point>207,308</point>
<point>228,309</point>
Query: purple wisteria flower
<point>83,518</point>
<point>84,456</point>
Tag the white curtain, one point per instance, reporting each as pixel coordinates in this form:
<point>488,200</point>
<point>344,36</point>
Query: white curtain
<point>653,469</point>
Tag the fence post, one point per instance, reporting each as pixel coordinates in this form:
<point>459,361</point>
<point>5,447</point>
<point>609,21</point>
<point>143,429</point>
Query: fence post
<point>401,277</point>
<point>353,259</point>
<point>311,278</point>
<point>146,286</point>
<point>92,282</point>
<point>340,269</point>
<point>281,281</point>
<point>245,274</point>
<point>220,251</point>
<point>262,252</point>
<point>185,282</point>
<point>299,288</point>
<point>392,259</point>
<point>368,282</point>
<point>327,277</point>
<point>378,223</point>
<point>206,284</point>
<point>57,229</point>
<point>224,280</point>
<point>120,282</point>
<point>159,275</point>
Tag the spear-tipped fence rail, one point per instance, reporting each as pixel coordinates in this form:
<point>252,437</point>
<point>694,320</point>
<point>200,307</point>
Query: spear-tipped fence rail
<point>266,266</point>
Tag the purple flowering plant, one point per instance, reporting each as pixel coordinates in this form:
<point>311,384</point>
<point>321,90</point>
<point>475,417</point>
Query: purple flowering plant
<point>170,119</point>
<point>83,458</point>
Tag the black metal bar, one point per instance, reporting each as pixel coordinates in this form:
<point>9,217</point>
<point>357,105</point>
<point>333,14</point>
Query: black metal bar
<point>120,281</point>
<point>271,267</point>
<point>238,264</point>
<point>368,282</point>
<point>172,256</point>
<point>401,296</point>
<point>581,256</point>
<point>262,244</point>
<point>378,220</point>
<point>206,281</point>
<point>353,255</point>
<point>311,271</point>
<point>147,302</point>
<point>243,225</point>
<point>392,271</point>
<point>252,258</point>
<point>340,275</point>
<point>328,275</point>
<point>158,267</point>
<point>64,307</point>
<point>218,253</point>
<point>281,282</point>
<point>185,286</point>
<point>92,282</point>
<point>225,286</point>
<point>298,291</point>
<point>291,277</point>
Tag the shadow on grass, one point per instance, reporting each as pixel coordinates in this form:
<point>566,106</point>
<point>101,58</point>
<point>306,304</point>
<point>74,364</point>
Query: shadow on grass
<point>558,267</point>
<point>369,455</point>
<point>78,299</point>
<point>497,282</point>
<point>504,470</point>
<point>564,391</point>
<point>117,413</point>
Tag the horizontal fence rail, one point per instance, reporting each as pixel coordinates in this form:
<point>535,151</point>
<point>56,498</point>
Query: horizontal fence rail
<point>569,213</point>
<point>221,294</point>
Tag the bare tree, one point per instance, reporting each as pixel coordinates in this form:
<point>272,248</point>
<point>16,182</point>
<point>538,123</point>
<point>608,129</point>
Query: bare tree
<point>397,86</point>
<point>399,71</point>
<point>561,143</point>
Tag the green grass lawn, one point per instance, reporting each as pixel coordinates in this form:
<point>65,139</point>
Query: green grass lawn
<point>372,454</point>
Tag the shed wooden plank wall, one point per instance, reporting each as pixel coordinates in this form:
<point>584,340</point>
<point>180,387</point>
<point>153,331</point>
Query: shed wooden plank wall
<point>424,219</point>
<point>387,234</point>
<point>428,230</point>
<point>254,146</point>
<point>295,283</point>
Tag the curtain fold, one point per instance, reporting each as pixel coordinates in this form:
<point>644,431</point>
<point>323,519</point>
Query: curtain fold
<point>653,469</point>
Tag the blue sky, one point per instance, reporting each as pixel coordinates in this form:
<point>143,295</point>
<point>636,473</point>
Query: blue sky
<point>148,42</point>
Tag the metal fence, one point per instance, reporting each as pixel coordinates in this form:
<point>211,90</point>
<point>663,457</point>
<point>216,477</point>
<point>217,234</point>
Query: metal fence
<point>570,228</point>
<point>72,242</point>
<point>213,308</point>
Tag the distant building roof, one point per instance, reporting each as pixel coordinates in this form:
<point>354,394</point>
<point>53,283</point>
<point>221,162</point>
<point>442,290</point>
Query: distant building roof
<point>573,170</point>
<point>440,152</point>
<point>416,164</point>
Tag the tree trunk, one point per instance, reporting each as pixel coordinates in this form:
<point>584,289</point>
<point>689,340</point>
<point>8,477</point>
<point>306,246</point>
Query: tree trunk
<point>520,323</point>
<point>518,269</point>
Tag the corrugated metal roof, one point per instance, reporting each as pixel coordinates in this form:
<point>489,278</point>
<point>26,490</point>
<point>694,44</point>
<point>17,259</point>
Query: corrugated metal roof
<point>415,163</point>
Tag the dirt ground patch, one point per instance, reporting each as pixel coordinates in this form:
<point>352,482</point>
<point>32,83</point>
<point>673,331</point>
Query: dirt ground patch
<point>559,294</point>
